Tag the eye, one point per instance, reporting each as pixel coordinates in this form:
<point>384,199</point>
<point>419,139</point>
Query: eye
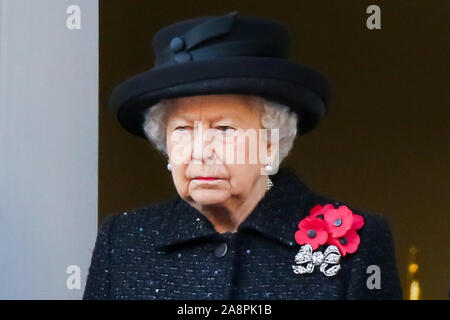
<point>224,128</point>
<point>182,128</point>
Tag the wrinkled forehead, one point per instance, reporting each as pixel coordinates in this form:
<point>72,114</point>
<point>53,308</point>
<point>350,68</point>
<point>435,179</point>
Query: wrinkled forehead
<point>214,106</point>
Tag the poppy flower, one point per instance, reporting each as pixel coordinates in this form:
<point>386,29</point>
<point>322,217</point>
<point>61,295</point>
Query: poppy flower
<point>334,226</point>
<point>348,243</point>
<point>358,222</point>
<point>312,231</point>
<point>318,211</point>
<point>339,221</point>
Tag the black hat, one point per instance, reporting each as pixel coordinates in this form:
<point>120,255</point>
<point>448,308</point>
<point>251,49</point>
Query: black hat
<point>230,53</point>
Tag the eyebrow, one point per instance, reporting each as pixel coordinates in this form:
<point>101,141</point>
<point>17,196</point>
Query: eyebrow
<point>218,117</point>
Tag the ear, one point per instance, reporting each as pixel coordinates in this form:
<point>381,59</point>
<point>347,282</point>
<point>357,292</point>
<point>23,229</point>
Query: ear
<point>273,152</point>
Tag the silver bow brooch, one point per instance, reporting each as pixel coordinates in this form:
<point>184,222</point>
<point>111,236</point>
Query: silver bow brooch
<point>306,260</point>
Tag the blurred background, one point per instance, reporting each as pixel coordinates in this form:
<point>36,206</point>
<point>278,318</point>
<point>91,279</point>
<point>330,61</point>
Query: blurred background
<point>384,146</point>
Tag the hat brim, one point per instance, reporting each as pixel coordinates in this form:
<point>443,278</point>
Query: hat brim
<point>297,86</point>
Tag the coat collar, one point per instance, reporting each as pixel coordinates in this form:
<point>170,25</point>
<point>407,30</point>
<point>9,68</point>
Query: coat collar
<point>275,217</point>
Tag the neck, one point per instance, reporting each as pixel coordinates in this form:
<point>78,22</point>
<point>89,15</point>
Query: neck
<point>228,216</point>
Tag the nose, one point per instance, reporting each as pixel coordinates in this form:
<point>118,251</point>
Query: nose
<point>203,148</point>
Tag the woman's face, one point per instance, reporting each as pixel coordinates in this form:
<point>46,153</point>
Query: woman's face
<point>213,147</point>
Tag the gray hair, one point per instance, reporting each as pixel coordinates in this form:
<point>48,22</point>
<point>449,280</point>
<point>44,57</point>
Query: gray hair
<point>274,116</point>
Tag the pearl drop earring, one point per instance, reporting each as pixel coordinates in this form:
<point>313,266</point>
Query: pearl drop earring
<point>169,166</point>
<point>268,168</point>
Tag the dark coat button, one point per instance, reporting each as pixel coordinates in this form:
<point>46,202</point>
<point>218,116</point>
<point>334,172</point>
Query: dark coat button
<point>183,57</point>
<point>221,250</point>
<point>176,44</point>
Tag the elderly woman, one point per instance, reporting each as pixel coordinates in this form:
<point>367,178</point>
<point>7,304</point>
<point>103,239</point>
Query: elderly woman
<point>224,105</point>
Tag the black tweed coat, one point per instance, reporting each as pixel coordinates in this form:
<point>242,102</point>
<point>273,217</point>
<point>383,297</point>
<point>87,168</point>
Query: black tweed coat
<point>171,251</point>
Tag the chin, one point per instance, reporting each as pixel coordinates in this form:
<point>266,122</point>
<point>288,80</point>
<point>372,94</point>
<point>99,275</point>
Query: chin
<point>210,197</point>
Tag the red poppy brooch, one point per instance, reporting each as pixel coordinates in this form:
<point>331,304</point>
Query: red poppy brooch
<point>326,225</point>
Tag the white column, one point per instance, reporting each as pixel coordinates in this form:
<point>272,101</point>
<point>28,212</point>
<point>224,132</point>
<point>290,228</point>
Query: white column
<point>48,146</point>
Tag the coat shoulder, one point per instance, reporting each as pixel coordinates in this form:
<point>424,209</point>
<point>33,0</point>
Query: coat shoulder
<point>138,220</point>
<point>375,223</point>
